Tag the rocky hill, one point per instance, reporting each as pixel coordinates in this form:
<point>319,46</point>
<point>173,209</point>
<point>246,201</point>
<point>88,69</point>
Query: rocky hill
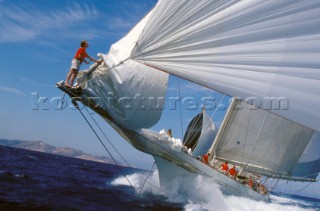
<point>41,146</point>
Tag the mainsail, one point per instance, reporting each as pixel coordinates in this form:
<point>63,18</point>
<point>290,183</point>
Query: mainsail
<point>263,52</point>
<point>263,142</point>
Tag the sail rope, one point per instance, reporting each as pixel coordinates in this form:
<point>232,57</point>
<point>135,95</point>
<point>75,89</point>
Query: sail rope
<point>114,160</point>
<point>91,73</point>
<point>150,171</point>
<point>105,136</point>
<point>215,111</point>
<point>127,163</point>
<point>272,189</point>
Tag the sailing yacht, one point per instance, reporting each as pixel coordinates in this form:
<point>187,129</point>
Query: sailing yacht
<point>264,54</point>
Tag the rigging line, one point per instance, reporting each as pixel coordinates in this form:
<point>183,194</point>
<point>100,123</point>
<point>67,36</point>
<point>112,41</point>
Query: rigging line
<point>107,138</point>
<point>147,177</point>
<point>275,184</point>
<point>63,99</point>
<point>77,106</point>
<point>215,111</point>
<point>104,70</point>
<point>180,109</point>
<point>119,152</point>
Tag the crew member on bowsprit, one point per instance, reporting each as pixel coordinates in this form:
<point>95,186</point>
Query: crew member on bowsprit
<point>80,56</point>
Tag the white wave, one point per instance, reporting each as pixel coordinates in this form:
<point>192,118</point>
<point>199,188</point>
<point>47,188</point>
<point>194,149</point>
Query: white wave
<point>284,200</point>
<point>137,180</point>
<point>203,194</point>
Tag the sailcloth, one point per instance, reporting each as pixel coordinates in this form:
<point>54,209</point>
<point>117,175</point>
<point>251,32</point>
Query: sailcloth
<point>259,51</point>
<point>263,52</point>
<point>132,93</point>
<point>265,143</point>
<point>200,134</point>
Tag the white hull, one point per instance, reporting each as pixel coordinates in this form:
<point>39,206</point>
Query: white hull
<point>176,163</point>
<point>170,162</point>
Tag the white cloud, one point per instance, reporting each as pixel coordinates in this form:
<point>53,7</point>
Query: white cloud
<point>31,21</point>
<point>12,90</point>
<point>21,23</point>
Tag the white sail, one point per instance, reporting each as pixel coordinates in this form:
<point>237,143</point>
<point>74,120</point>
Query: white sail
<point>200,134</point>
<point>308,165</point>
<point>263,142</point>
<point>262,49</point>
<point>131,93</point>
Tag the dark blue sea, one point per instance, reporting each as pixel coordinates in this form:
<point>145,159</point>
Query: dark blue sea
<point>32,180</point>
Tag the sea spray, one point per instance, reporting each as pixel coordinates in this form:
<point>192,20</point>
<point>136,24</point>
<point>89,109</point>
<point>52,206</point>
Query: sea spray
<point>200,193</point>
<point>151,186</point>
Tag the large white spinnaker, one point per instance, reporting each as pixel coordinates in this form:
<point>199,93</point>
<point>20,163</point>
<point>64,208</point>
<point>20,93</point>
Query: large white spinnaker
<point>264,52</point>
<point>262,49</point>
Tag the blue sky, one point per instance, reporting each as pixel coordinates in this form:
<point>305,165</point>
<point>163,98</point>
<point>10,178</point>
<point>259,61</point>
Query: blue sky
<point>38,40</point>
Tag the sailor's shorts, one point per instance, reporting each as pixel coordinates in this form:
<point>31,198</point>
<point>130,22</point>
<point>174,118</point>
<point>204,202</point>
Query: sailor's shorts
<point>75,65</point>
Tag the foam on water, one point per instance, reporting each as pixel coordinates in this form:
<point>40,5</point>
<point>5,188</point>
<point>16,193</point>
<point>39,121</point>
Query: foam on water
<point>203,194</point>
<point>137,180</point>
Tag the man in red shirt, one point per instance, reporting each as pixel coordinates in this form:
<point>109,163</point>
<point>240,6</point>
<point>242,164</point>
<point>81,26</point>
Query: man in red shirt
<point>80,56</point>
<point>205,158</point>
<point>233,172</point>
<point>224,167</point>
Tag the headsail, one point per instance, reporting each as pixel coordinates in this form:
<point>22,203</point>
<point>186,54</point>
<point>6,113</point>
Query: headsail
<point>132,93</point>
<point>261,49</point>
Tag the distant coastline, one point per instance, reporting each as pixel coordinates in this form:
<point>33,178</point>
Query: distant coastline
<point>41,146</point>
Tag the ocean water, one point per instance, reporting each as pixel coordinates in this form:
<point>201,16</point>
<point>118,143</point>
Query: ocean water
<point>38,181</point>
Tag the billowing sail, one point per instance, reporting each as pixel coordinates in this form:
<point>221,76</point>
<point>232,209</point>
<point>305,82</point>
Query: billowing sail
<point>264,143</point>
<point>193,132</point>
<point>132,93</point>
<point>265,52</point>
<point>200,134</point>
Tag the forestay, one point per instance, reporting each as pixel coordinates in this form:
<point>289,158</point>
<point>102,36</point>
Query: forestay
<point>261,49</point>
